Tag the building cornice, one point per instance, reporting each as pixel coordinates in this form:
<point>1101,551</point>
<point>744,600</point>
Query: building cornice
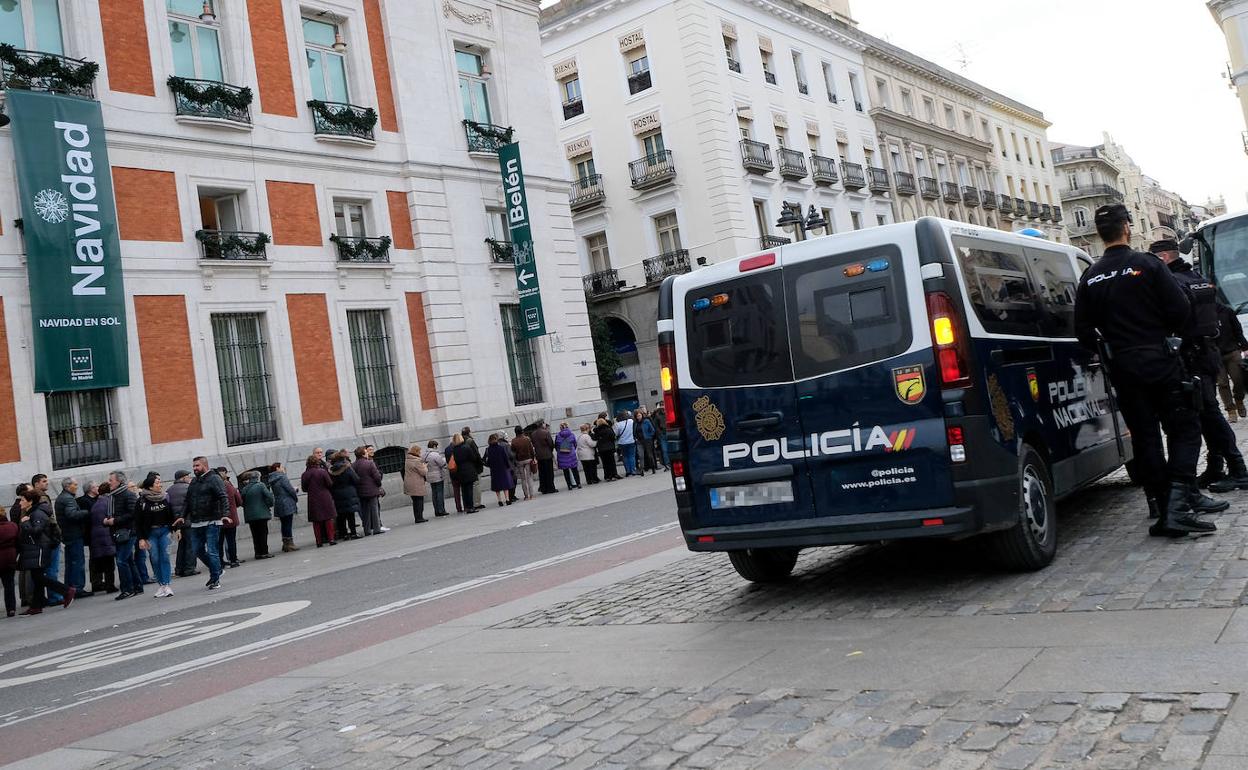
<point>1216,7</point>
<point>929,134</point>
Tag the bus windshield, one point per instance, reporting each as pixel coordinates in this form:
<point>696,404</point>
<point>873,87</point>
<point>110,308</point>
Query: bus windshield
<point>1224,254</point>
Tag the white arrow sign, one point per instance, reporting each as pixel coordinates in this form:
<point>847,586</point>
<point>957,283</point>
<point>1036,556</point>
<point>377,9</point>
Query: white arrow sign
<point>524,277</point>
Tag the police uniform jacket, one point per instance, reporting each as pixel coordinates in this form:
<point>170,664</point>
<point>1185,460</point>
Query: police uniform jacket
<point>1199,333</point>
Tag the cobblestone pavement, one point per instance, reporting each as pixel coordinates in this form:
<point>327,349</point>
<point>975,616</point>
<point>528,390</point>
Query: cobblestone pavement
<point>547,727</point>
<point>1106,561</point>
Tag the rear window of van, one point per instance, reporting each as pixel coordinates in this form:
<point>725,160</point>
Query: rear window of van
<point>742,340</point>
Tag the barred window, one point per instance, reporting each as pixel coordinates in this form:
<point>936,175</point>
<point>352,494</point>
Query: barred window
<point>374,367</point>
<point>526,383</point>
<point>81,428</point>
<point>243,371</point>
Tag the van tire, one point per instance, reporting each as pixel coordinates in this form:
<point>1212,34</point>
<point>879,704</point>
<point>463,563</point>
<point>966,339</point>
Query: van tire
<point>1032,542</point>
<point>764,565</point>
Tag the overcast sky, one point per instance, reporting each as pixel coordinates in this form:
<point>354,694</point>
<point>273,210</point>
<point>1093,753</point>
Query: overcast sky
<point>1147,71</point>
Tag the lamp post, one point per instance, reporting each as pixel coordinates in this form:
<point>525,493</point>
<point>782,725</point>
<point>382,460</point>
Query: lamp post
<point>791,216</point>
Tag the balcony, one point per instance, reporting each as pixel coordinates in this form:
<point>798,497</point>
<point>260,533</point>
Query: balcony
<point>1033,209</point>
<point>39,71</point>
<point>486,137</point>
<point>904,182</point>
<point>669,263</point>
<point>1166,220</point>
<point>1046,212</point>
<point>987,199</point>
<point>877,180</point>
<point>970,195</point>
<point>792,163</point>
<point>822,170</point>
<point>1006,205</point>
<point>928,188</point>
<point>803,89</point>
<point>232,245</point>
<point>772,241</point>
<point>92,444</point>
<point>1020,207</point>
<point>950,192</point>
<point>501,252</point>
<point>770,77</point>
<point>756,156</point>
<point>602,283</point>
<point>652,170</point>
<point>1081,230</point>
<point>573,108</point>
<point>858,106</point>
<point>358,249</point>
<point>339,120</point>
<point>211,100</point>
<point>1070,154</point>
<point>1092,191</point>
<point>734,65</point>
<point>1057,214</point>
<point>586,192</point>
<point>851,176</point>
<point>638,81</point>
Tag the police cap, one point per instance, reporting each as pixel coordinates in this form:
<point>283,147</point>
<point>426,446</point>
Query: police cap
<point>1113,214</point>
<point>1165,244</point>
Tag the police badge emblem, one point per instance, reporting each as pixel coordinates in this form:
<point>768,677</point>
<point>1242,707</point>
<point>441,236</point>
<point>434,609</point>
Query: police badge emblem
<point>710,421</point>
<point>909,384</point>
<point>1033,385</point>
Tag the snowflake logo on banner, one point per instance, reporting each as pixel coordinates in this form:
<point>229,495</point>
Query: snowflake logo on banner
<point>51,206</point>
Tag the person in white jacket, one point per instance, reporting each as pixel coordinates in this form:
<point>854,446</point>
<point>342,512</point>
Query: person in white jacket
<point>587,454</point>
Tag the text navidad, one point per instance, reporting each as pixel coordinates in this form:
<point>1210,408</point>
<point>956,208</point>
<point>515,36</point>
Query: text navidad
<point>82,188</point>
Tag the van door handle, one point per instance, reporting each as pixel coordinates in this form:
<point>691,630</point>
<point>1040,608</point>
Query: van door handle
<point>756,422</point>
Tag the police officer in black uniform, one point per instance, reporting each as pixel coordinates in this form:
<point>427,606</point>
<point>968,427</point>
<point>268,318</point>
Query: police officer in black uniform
<point>1202,358</point>
<point>1131,303</point>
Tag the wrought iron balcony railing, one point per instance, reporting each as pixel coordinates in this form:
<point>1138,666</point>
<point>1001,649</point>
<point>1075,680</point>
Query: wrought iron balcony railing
<point>970,195</point>
<point>602,283</point>
<point>211,99</point>
<point>756,156</point>
<point>1057,213</point>
<point>573,108</point>
<point>852,177</point>
<point>928,188</point>
<point>1006,205</point>
<point>1020,207</point>
<point>904,182</point>
<point>1068,154</point>
<point>232,244</point>
<point>638,81</point>
<point>988,199</point>
<point>1033,209</point>
<point>39,71</point>
<point>822,169</point>
<point>86,445</point>
<point>669,263</point>
<point>734,65</point>
<point>772,241</point>
<point>950,192</point>
<point>1092,191</point>
<point>501,252</point>
<point>342,119</point>
<point>356,248</point>
<point>803,89</point>
<point>586,192</point>
<point>770,77</point>
<point>652,170</point>
<point>792,163</point>
<point>877,180</point>
<point>1046,212</point>
<point>486,137</point>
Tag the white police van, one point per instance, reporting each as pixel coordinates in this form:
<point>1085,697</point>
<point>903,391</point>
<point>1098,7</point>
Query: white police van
<point>917,380</point>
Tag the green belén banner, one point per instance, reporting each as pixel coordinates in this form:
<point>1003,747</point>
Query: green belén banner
<point>73,256</point>
<point>532,320</point>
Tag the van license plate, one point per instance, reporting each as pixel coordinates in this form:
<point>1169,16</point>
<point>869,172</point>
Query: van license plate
<point>764,493</point>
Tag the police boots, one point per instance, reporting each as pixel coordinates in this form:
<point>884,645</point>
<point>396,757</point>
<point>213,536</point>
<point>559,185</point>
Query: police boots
<point>1214,471</point>
<point>1202,503</point>
<point>1177,518</point>
<point>1237,478</point>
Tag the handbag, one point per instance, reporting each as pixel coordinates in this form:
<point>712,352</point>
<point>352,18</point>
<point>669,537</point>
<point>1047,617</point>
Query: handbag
<point>121,536</point>
<point>451,465</point>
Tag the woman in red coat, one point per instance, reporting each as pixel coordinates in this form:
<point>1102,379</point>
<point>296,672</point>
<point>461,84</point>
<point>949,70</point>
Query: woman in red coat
<point>8,562</point>
<point>317,485</point>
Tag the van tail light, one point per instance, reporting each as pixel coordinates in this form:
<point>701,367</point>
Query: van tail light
<point>949,338</point>
<point>678,475</point>
<point>957,445</point>
<point>667,379</point>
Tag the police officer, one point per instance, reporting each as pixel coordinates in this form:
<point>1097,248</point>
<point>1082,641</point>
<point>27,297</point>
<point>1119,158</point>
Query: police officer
<point>1203,359</point>
<point>1131,302</point>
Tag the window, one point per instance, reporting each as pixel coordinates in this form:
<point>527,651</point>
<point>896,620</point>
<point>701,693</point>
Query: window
<point>496,227</point>
<point>1081,217</point>
<point>473,94</point>
<point>526,383</point>
<point>730,53</point>
<point>907,102</point>
<point>32,24</point>
<point>881,220</point>
<point>969,123</point>
<point>929,110</point>
<point>855,219</point>
<point>196,46</point>
<point>999,286</point>
<point>599,254</point>
<point>744,341</point>
<point>828,217</point>
<point>639,74</point>
<point>1001,141</point>
<point>327,69</point>
<point>812,141</point>
<point>349,219</point>
<point>760,217</point>
<point>950,121</point>
<point>1072,181</point>
<point>81,429</point>
<point>1057,282</point>
<point>221,210</point>
<point>881,94</point>
<point>746,127</point>
<point>572,103</point>
<point>667,232</point>
<point>243,374</point>
<point>1027,146</point>
<point>829,82</point>
<point>1014,140</point>
<point>985,132</point>
<point>652,145</point>
<point>768,74</point>
<point>782,137</point>
<point>585,168</point>
<point>855,91</point>
<point>374,370</point>
<point>799,73</point>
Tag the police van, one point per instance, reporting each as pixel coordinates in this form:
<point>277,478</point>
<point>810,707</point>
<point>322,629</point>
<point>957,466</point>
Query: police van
<point>916,380</point>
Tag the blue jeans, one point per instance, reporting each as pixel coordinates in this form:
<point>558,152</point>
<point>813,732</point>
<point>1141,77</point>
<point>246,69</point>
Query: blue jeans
<point>630,458</point>
<point>437,491</point>
<point>206,545</point>
<point>75,564</point>
<point>158,549</point>
<point>127,573</point>
<point>288,526</point>
<point>140,564</point>
<point>53,571</point>
<point>663,447</point>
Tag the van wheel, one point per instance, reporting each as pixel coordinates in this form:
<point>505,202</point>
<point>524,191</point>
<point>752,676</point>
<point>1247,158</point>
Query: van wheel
<point>1031,543</point>
<point>764,565</point>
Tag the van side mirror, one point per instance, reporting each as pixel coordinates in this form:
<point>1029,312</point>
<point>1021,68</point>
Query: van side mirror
<point>1185,245</point>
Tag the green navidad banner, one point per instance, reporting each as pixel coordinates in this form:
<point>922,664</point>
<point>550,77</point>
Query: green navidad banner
<point>533,322</point>
<point>73,256</point>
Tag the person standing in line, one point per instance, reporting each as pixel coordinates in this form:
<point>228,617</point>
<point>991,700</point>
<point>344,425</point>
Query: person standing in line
<point>184,562</point>
<point>416,481</point>
<point>229,529</point>
<point>586,452</point>
<point>9,534</point>
<point>452,468</point>
<point>153,521</point>
<point>659,418</point>
<point>1231,347</point>
<point>435,463</point>
<point>368,489</point>
<point>500,470</point>
<point>318,486</point>
<point>207,510</point>
<point>319,454</point>
<point>644,430</point>
<point>468,467</point>
<point>346,498</point>
<point>121,523</point>
<point>544,451</point>
<point>90,491</point>
<point>285,504</point>
<point>38,536</point>
<point>526,460</point>
<point>565,454</point>
<point>40,483</point>
<point>511,458</point>
<point>75,525</point>
<point>370,451</point>
<point>626,439</point>
<point>103,550</point>
<point>604,438</point>
<point>15,516</point>
<point>257,510</point>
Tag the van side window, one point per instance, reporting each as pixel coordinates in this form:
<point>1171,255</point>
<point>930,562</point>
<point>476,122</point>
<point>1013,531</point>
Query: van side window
<point>742,340</point>
<point>1057,283</point>
<point>842,314</point>
<point>999,286</point>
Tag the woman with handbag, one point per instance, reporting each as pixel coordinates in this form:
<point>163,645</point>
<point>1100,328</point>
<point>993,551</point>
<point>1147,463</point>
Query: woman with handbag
<point>565,456</point>
<point>586,452</point>
<point>416,482</point>
<point>452,469</point>
<point>103,549</point>
<point>499,462</point>
<point>154,519</point>
<point>604,435</point>
<point>37,536</point>
<point>435,463</point>
<point>120,522</point>
<point>468,466</point>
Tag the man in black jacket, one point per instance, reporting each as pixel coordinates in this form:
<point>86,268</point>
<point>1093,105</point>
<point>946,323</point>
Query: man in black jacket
<point>75,526</point>
<point>1129,302</point>
<point>1231,346</point>
<point>207,508</point>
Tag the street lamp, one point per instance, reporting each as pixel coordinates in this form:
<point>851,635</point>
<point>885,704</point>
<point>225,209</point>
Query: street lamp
<point>791,216</point>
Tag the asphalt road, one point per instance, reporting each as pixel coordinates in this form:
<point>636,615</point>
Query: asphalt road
<point>52,680</point>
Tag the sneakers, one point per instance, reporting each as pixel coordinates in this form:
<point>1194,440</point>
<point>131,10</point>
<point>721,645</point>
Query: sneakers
<point>70,593</point>
<point>214,585</point>
<point>122,595</point>
<point>384,529</point>
<point>162,592</point>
